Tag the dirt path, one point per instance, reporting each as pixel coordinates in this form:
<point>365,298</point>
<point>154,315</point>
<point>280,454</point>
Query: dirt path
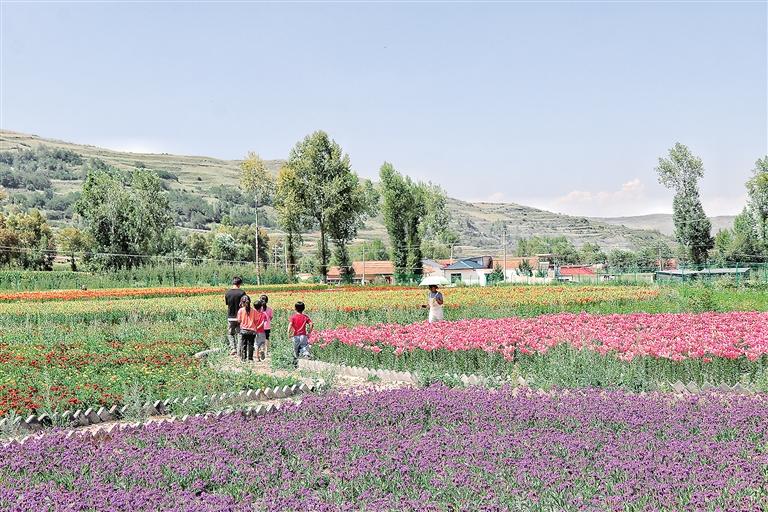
<point>341,382</point>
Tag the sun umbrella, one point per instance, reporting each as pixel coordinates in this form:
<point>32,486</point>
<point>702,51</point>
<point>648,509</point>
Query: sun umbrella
<point>434,280</point>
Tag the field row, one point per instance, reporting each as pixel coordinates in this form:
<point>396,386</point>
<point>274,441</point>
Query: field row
<point>56,355</point>
<point>431,449</point>
<point>338,299</point>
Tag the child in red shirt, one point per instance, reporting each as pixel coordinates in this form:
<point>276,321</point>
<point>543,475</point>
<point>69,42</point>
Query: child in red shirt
<point>300,327</point>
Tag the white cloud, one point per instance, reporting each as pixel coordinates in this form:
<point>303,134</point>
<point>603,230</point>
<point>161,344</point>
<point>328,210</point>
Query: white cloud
<point>496,197</point>
<point>631,198</point>
<point>630,191</point>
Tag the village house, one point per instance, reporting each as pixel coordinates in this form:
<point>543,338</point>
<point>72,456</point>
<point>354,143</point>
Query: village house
<point>366,272</point>
<point>470,271</point>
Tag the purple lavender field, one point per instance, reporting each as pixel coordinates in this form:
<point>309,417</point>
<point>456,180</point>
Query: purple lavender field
<point>428,449</point>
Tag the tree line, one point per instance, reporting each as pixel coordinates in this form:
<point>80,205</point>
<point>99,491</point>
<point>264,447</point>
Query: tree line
<point>123,218</point>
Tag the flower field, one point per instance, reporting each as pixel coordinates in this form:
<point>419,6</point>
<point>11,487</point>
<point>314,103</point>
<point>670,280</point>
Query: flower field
<point>669,336</point>
<point>429,449</point>
<point>59,354</point>
<point>728,344</point>
<point>120,293</point>
<point>342,300</point>
<point>104,366</point>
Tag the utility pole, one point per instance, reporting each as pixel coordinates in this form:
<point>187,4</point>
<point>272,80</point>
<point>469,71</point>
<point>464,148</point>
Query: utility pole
<point>285,252</point>
<point>173,259</point>
<point>258,274</point>
<point>504,271</point>
<point>660,266</point>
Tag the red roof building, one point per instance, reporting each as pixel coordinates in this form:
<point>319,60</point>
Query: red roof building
<point>372,270</point>
<point>576,270</point>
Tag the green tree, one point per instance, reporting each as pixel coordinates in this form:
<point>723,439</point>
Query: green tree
<point>9,243</point>
<point>563,250</point>
<point>405,207</point>
<point>591,254</point>
<point>497,276</point>
<point>290,213</point>
<point>71,241</point>
<point>396,194</point>
<point>437,236</point>
<point>757,204</point>
<point>681,172</point>
<point>372,250</point>
<point>622,261</point>
<point>328,193</point>
<point>525,268</point>
<point>198,246</point>
<point>724,241</point>
<point>36,243</point>
<point>256,181</point>
<point>224,247</point>
<point>127,216</point>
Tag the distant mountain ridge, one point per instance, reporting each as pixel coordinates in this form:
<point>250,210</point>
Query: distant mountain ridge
<point>480,225</point>
<point>662,222</point>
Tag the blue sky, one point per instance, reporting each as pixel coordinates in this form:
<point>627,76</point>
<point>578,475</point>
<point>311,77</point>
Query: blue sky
<point>564,106</point>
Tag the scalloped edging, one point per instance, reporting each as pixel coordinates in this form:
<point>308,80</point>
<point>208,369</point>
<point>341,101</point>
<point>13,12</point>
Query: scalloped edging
<point>678,387</point>
<point>92,416</point>
<point>106,430</point>
<point>205,353</point>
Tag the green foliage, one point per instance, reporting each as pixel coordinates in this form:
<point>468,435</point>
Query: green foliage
<point>413,213</point>
<point>525,268</point>
<point>288,207</point>
<point>198,246</point>
<point>33,169</point>
<point>681,172</point>
<point>125,214</point>
<point>372,250</point>
<point>590,253</point>
<point>255,180</point>
<point>326,193</point>
<point>757,204</point>
<point>157,273</point>
<point>497,276</point>
<point>563,251</point>
<point>71,241</point>
<point>26,240</point>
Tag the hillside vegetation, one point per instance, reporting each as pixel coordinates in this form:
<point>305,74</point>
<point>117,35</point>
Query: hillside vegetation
<point>204,191</point>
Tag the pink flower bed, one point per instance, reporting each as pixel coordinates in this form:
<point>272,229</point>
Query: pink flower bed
<point>671,336</point>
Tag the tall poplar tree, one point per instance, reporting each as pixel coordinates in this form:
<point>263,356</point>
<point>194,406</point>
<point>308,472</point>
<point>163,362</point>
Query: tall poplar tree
<point>681,172</point>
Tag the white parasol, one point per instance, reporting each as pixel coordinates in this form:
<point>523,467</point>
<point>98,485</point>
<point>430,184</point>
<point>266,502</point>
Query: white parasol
<point>434,280</point>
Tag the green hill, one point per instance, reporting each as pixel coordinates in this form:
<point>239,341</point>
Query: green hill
<point>203,189</point>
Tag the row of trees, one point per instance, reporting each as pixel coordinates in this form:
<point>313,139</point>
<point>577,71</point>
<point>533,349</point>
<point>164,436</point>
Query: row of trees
<point>317,190</point>
<point>417,221</point>
<point>564,252</point>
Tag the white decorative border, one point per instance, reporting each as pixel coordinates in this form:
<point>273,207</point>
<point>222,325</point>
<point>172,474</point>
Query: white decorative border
<point>92,416</point>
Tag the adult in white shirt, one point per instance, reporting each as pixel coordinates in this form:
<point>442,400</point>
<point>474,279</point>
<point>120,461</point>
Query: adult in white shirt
<point>435,304</point>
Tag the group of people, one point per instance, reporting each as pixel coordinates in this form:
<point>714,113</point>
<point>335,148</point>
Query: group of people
<point>249,325</point>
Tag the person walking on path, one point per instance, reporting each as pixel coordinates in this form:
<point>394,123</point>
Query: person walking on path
<point>435,304</point>
<point>300,327</point>
<point>251,322</point>
<point>232,300</point>
<point>267,321</point>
